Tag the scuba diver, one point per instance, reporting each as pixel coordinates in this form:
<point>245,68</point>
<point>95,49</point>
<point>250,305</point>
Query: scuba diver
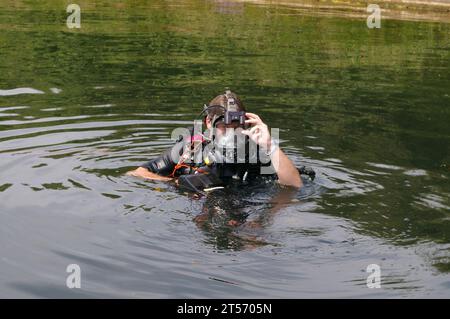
<point>236,147</point>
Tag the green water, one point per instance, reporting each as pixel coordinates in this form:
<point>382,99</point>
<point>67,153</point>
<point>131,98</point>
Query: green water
<point>368,109</point>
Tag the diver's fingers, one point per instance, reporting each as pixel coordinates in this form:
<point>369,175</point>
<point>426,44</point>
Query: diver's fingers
<point>252,130</point>
<point>252,121</point>
<point>248,131</point>
<point>255,129</point>
<point>253,116</point>
<point>250,114</point>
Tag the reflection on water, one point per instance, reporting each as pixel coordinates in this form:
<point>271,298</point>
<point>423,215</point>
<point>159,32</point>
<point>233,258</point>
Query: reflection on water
<point>367,110</point>
<point>235,218</point>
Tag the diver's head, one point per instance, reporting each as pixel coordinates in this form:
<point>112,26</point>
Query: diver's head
<point>223,112</point>
<point>225,120</point>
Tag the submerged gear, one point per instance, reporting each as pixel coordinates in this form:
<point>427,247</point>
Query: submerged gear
<point>303,170</point>
<point>199,182</point>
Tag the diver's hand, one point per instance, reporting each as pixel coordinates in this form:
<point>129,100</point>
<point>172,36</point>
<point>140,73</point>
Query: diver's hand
<point>258,131</point>
<point>285,169</point>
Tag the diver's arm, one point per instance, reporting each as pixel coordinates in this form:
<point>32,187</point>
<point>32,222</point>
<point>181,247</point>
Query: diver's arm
<point>160,168</point>
<point>285,169</point>
<point>145,173</point>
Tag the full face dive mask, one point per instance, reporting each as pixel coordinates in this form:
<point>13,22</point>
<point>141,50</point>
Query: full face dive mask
<point>229,147</point>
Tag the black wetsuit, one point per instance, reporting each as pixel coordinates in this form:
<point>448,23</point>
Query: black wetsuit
<point>165,164</point>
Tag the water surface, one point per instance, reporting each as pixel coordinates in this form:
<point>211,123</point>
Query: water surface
<point>367,109</point>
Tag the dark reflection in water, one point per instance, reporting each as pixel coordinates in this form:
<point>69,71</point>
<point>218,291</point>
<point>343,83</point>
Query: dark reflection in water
<point>235,218</point>
<point>367,109</point>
